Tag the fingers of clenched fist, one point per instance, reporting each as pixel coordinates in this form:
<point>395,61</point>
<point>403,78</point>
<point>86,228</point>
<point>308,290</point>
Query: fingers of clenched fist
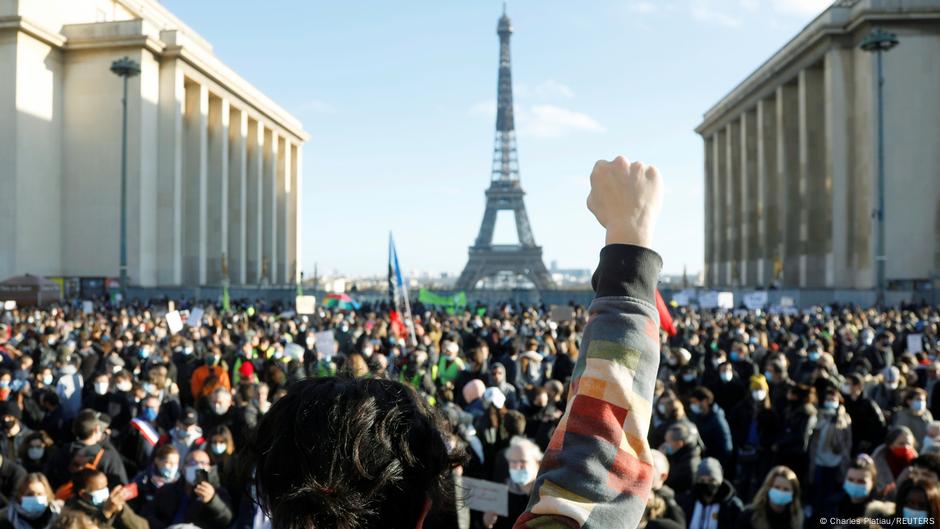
<point>626,199</point>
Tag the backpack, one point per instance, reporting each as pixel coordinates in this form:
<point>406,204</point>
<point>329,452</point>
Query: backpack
<point>67,490</point>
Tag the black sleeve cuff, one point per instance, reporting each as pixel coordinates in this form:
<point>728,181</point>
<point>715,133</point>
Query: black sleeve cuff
<point>627,270</point>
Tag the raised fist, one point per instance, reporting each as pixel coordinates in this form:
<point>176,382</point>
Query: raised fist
<point>626,199</point>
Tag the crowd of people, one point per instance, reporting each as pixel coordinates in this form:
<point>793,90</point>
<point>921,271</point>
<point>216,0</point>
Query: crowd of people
<point>818,419</point>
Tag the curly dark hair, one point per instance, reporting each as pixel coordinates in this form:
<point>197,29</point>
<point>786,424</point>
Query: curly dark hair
<point>349,453</point>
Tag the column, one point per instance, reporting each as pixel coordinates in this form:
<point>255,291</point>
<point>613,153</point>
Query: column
<point>237,196</point>
<point>721,207</point>
<point>750,207</point>
<point>218,187</point>
<point>282,270</point>
<point>170,166</point>
<point>770,194</point>
<point>815,185</point>
<point>734,202</point>
<point>295,219</point>
<point>709,209</point>
<point>788,170</point>
<point>195,185</point>
<point>254,211</point>
<point>269,207</point>
<point>839,99</point>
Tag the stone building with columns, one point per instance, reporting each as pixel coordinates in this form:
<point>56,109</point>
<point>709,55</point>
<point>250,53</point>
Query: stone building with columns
<point>791,158</point>
<point>214,165</point>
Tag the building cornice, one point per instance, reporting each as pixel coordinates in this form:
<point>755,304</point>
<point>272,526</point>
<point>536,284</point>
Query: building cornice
<point>839,21</point>
<point>23,24</point>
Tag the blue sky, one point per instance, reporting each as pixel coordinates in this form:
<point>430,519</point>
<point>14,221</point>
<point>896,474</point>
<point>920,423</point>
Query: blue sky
<point>399,100</point>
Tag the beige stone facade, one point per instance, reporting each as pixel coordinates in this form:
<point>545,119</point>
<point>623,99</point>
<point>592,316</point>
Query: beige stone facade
<point>214,166</point>
<point>791,158</point>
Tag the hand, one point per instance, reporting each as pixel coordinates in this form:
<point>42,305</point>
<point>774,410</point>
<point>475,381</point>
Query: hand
<point>489,519</point>
<point>115,503</point>
<point>205,492</point>
<point>626,198</point>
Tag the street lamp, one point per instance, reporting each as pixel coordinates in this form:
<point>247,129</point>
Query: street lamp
<point>126,68</point>
<point>877,42</point>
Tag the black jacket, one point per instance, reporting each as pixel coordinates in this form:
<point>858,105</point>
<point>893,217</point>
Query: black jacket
<point>57,468</point>
<point>868,424</point>
<point>673,511</point>
<point>682,467</point>
<point>10,475</point>
<point>217,514</point>
<point>730,507</point>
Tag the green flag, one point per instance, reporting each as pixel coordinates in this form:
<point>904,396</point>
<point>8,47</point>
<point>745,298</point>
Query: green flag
<point>452,302</point>
<point>226,302</point>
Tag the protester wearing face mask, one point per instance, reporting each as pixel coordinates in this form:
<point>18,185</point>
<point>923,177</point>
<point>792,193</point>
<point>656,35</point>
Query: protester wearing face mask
<point>776,505</point>
<point>729,389</point>
<point>186,435</point>
<point>12,430</point>
<point>524,458</point>
<point>913,413</point>
<point>164,469</point>
<point>198,498</point>
<point>682,448</point>
<point>221,448</point>
<point>931,440</point>
<point>799,420</point>
<point>713,502</point>
<point>888,392</point>
<point>142,436</point>
<point>918,503</point>
<point>868,422</point>
<point>69,386</point>
<point>829,449</point>
<point>35,450</point>
<point>712,425</point>
<point>32,506</point>
<point>672,511</point>
<point>754,428</point>
<point>217,410</point>
<point>211,375</point>
<point>667,411</point>
<point>90,446</point>
<point>105,505</point>
<point>858,490</point>
<point>893,457</point>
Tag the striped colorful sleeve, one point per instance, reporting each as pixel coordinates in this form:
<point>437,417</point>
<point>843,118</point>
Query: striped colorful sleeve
<point>597,471</point>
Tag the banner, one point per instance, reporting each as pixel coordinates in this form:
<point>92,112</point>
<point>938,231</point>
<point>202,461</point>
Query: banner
<point>398,292</point>
<point>458,300</point>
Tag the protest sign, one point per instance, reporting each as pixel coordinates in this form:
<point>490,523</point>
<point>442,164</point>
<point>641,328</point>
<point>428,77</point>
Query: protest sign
<point>708,299</point>
<point>195,317</point>
<point>174,321</point>
<point>915,343</point>
<point>755,300</point>
<point>88,307</point>
<point>295,351</point>
<point>681,299</point>
<point>305,304</point>
<point>726,300</point>
<point>560,313</point>
<point>326,345</point>
<point>486,496</point>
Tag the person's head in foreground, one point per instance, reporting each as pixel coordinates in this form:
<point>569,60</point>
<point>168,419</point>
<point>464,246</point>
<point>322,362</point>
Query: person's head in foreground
<point>778,496</point>
<point>918,503</point>
<point>348,454</point>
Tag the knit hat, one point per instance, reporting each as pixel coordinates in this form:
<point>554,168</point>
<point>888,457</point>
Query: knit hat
<point>8,408</point>
<point>759,382</point>
<point>710,467</point>
<point>473,390</point>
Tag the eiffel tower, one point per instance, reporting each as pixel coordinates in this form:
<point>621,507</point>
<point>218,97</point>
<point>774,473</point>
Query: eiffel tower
<point>505,194</point>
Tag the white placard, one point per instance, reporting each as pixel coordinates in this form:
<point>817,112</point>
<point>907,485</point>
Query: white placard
<point>88,307</point>
<point>786,301</point>
<point>9,304</point>
<point>326,345</point>
<point>195,317</point>
<point>305,304</point>
<point>562,313</point>
<point>755,300</point>
<point>174,321</point>
<point>681,299</point>
<point>708,300</point>
<point>486,496</point>
<point>915,343</point>
<point>293,350</point>
<point>170,306</point>
<point>726,300</point>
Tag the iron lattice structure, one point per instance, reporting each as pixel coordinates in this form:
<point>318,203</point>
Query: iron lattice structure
<point>505,194</point>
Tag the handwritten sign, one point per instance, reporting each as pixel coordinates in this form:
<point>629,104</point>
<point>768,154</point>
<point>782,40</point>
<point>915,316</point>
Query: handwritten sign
<point>305,304</point>
<point>487,496</point>
<point>755,300</point>
<point>88,307</point>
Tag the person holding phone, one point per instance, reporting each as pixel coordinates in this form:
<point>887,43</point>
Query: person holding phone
<point>370,453</point>
<point>198,498</point>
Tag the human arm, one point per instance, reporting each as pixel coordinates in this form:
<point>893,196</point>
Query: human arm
<point>597,471</point>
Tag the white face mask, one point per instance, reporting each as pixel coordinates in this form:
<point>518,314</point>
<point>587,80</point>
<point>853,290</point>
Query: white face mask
<point>47,380</point>
<point>220,408</point>
<point>101,388</point>
<point>100,496</point>
<point>759,395</point>
<point>124,386</point>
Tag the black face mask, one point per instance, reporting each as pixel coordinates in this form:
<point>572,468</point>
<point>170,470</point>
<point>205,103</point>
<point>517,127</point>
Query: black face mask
<point>705,491</point>
<point>7,425</point>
